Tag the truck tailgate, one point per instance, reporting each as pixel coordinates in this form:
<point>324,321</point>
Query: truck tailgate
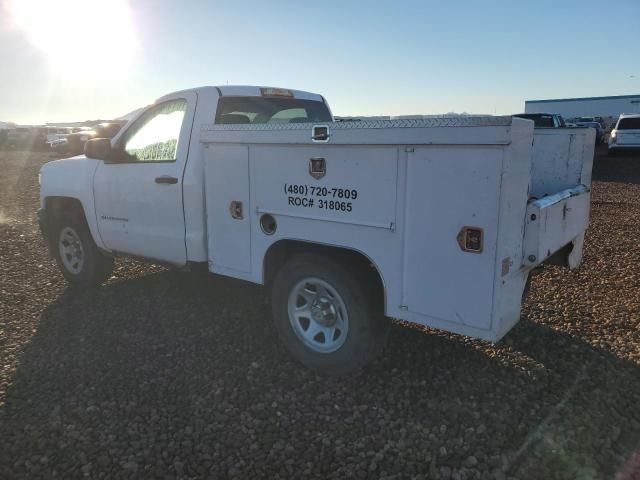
<point>555,221</point>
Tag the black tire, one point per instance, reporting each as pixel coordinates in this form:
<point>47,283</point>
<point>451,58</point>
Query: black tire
<point>96,267</point>
<point>367,327</point>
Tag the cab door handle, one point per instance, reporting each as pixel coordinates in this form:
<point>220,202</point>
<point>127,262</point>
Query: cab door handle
<point>167,180</point>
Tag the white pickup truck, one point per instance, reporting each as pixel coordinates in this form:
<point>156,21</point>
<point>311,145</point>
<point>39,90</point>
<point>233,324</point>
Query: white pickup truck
<point>434,221</point>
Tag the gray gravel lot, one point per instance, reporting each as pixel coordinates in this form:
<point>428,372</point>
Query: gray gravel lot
<point>160,374</point>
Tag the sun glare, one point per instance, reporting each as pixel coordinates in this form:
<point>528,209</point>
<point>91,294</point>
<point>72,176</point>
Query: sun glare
<point>79,38</point>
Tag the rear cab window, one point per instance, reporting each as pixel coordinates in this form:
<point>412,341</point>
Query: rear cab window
<point>261,110</point>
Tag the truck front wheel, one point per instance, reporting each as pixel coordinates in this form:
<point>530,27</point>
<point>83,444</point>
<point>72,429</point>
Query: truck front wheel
<point>323,316</point>
<point>78,257</point>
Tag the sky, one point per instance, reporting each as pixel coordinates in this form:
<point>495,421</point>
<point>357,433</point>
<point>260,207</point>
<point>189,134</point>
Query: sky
<point>73,60</point>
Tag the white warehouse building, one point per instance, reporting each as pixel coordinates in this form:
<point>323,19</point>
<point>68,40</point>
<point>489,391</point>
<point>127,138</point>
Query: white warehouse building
<point>609,108</point>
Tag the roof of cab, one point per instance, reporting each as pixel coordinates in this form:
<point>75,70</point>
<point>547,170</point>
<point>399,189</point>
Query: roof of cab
<point>249,91</point>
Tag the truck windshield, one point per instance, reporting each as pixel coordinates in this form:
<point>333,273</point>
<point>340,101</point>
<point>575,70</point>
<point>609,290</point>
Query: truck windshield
<point>238,110</point>
<point>632,123</point>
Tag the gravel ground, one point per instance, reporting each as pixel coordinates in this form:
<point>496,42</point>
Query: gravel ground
<point>160,374</point>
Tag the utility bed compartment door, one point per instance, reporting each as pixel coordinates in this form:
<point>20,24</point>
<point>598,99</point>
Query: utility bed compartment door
<point>554,221</point>
<point>449,188</point>
<point>351,184</point>
<point>228,229</point>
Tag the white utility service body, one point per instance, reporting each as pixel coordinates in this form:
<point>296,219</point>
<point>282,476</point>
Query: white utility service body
<point>418,183</point>
<point>452,213</point>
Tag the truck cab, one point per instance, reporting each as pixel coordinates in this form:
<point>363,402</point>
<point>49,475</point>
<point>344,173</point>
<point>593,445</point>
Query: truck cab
<point>144,196</point>
<point>437,221</point>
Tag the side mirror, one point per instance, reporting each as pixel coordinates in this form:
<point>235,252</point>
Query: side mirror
<point>98,148</point>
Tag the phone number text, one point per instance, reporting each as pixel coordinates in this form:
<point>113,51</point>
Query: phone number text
<point>315,191</point>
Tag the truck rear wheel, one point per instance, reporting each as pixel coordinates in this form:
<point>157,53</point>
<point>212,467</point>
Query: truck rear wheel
<point>78,257</point>
<point>323,316</point>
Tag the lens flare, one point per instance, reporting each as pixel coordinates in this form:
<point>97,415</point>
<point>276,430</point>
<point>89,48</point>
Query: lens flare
<point>79,39</point>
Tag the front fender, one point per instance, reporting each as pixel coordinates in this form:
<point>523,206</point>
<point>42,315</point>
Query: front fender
<point>72,178</point>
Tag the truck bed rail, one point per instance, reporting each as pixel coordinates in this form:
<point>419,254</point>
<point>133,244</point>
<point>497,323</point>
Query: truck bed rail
<point>480,121</point>
<point>423,131</point>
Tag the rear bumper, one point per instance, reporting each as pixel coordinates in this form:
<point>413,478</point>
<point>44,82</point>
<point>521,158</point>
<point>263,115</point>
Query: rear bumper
<point>554,222</point>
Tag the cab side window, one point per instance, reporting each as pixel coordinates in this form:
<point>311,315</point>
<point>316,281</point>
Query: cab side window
<point>154,137</point>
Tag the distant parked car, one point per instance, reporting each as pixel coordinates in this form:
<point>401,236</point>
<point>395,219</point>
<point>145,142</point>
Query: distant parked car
<point>73,144</point>
<point>626,134</point>
<point>544,120</point>
<point>597,126</point>
<point>597,119</point>
<point>57,133</point>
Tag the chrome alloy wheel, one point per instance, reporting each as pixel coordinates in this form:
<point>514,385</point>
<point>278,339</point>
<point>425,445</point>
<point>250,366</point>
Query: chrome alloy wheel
<point>71,251</point>
<point>318,315</point>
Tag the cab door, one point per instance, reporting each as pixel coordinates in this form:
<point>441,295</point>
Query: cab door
<point>138,195</point>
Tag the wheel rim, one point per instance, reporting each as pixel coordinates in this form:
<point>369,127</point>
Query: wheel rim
<point>71,251</point>
<point>318,315</point>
